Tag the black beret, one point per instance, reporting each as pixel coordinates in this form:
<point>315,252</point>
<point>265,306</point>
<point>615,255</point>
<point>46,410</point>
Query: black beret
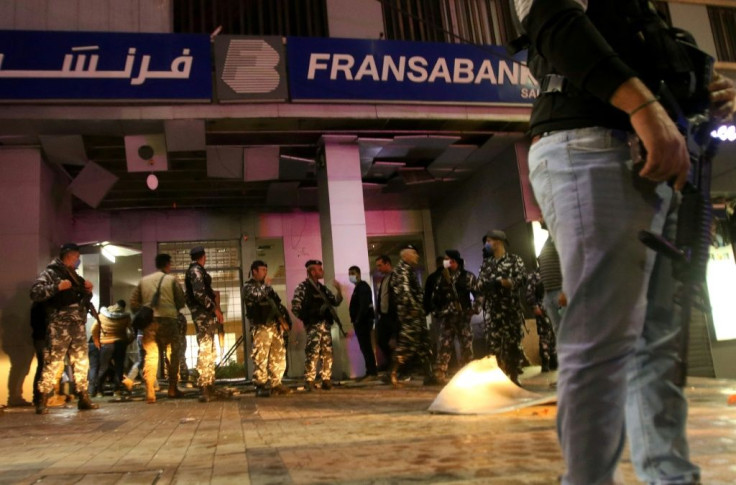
<point>196,250</point>
<point>312,262</point>
<point>67,247</point>
<point>495,234</point>
<point>409,246</point>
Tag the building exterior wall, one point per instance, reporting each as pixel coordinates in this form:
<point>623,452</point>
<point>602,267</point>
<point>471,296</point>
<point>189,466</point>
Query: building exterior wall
<point>87,15</point>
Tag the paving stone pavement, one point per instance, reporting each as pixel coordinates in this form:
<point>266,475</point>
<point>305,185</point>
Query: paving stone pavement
<point>353,434</point>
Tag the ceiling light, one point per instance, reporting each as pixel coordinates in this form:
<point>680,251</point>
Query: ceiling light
<point>119,251</point>
<point>107,253</point>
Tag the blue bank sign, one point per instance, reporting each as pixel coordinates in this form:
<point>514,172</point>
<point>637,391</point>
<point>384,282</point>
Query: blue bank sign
<point>396,71</point>
<point>104,66</point>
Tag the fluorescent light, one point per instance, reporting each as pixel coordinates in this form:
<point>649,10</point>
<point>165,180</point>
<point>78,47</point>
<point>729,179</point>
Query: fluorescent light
<point>108,254</point>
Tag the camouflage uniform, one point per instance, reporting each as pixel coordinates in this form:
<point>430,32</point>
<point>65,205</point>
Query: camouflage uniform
<point>502,310</point>
<point>413,338</point>
<point>535,298</point>
<point>269,350</point>
<point>454,309</point>
<point>307,304</point>
<point>201,302</point>
<point>66,330</point>
<point>183,369</point>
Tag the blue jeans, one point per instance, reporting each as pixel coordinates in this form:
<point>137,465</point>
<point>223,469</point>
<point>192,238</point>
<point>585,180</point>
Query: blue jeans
<point>552,307</point>
<point>618,341</point>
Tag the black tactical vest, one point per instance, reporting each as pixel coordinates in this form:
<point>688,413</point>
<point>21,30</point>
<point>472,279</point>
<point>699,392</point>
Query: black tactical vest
<point>645,43</point>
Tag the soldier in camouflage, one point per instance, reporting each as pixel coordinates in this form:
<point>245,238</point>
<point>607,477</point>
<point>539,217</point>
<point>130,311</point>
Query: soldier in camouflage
<point>268,323</point>
<point>535,298</point>
<point>413,341</point>
<point>453,308</point>
<point>313,303</point>
<point>206,314</point>
<point>66,295</point>
<point>501,276</point>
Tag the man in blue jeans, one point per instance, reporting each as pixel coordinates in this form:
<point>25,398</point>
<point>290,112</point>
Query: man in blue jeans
<point>619,339</point>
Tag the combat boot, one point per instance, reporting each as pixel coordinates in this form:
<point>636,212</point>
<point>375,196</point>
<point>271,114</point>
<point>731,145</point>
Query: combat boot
<point>85,404</point>
<point>263,391</point>
<point>280,390</point>
<point>394,374</point>
<point>221,394</point>
<point>174,392</point>
<point>42,404</point>
<point>309,386</point>
<point>206,394</point>
<point>327,385</point>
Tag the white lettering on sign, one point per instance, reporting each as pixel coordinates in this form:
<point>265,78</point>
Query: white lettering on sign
<point>418,69</point>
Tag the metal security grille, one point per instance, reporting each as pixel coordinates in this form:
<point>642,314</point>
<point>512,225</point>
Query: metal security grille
<point>723,26</point>
<point>483,22</point>
<point>306,18</point>
<point>223,265</point>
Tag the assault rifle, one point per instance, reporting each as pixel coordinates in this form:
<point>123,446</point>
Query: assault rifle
<point>85,298</point>
<point>690,250</point>
<point>278,310</point>
<point>455,297</point>
<point>327,307</point>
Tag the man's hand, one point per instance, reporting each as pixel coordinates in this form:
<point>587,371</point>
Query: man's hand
<point>88,285</point>
<point>537,311</point>
<point>722,97</point>
<point>219,316</point>
<point>667,156</point>
<point>338,287</point>
<point>64,285</point>
<point>96,341</point>
<point>562,299</point>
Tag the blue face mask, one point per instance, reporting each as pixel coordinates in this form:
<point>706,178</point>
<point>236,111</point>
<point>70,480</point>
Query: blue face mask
<point>353,279</point>
<point>76,265</point>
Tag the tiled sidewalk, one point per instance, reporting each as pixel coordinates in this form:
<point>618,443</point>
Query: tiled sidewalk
<point>369,434</point>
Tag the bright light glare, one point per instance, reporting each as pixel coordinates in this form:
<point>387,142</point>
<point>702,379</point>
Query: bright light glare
<point>540,237</point>
<point>725,133</point>
<point>721,275</point>
<point>108,254</point>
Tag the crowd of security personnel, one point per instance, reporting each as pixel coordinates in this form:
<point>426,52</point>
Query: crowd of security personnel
<point>452,295</point>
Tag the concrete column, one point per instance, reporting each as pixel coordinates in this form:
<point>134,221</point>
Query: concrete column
<point>29,235</point>
<point>344,239</point>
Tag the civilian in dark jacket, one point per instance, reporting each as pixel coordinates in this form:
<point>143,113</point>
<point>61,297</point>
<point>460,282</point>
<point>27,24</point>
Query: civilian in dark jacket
<point>362,316</point>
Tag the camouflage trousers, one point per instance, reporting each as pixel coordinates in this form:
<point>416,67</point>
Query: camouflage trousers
<point>160,334</point>
<point>183,369</point>
<point>503,336</point>
<point>66,333</point>
<point>454,326</point>
<point>547,345</point>
<point>268,354</point>
<point>413,341</point>
<point>206,326</point>
<point>319,348</point>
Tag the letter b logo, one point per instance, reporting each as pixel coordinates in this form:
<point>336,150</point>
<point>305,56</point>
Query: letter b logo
<point>250,67</point>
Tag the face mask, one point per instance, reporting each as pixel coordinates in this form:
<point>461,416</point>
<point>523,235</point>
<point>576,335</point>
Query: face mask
<point>446,264</point>
<point>76,265</point>
<point>487,247</point>
<point>353,279</point>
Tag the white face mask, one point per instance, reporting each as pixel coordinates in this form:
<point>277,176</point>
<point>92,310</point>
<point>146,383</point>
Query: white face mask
<point>353,279</point>
<point>446,263</point>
